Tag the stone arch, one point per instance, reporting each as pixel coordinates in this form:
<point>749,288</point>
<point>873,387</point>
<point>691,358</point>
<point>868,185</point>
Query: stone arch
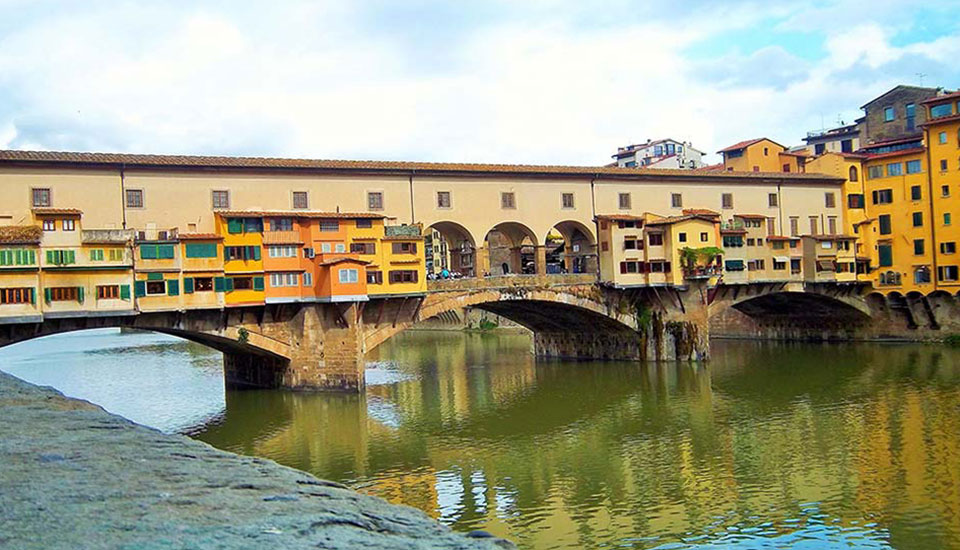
<point>455,251</point>
<point>512,248</point>
<point>576,252</point>
<point>803,306</point>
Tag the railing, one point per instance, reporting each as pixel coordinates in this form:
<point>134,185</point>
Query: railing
<point>118,236</point>
<point>506,281</point>
<point>734,224</point>
<point>702,271</point>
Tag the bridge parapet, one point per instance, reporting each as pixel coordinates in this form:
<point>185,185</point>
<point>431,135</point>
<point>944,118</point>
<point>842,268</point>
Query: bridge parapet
<point>511,281</point>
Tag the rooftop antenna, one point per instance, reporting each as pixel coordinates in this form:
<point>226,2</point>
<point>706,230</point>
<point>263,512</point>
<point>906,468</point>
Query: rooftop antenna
<point>921,76</point>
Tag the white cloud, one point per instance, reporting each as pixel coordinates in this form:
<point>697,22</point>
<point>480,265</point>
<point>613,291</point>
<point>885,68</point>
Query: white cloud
<point>313,79</point>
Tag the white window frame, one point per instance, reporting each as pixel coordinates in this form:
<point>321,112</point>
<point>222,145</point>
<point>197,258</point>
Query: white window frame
<point>348,275</point>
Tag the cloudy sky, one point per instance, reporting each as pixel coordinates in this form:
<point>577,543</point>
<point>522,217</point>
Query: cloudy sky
<point>525,81</point>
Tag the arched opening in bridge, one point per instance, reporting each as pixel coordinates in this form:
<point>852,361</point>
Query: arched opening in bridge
<point>570,248</point>
<point>511,248</point>
<point>803,311</point>
<point>450,251</point>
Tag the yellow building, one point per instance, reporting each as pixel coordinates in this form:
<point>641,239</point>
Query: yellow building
<point>83,272</point>
<point>829,259</point>
<point>243,272</point>
<point>20,274</point>
<point>942,134</point>
<point>762,155</point>
<point>201,266</point>
<point>898,199</point>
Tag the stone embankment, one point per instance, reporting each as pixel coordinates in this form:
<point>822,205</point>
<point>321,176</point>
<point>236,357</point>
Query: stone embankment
<point>74,476</point>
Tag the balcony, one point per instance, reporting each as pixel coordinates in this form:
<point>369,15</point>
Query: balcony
<point>106,236</point>
<point>702,271</point>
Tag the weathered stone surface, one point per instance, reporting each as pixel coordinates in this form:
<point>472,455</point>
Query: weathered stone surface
<point>74,476</point>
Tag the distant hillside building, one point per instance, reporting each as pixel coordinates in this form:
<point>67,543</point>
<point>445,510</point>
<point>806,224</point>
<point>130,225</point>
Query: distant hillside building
<point>663,153</point>
<point>895,114</point>
<point>842,139</point>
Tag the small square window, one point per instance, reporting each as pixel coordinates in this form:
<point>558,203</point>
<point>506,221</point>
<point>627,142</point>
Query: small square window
<point>830,200</point>
<point>221,199</point>
<point>375,200</point>
<point>682,237</point>
<point>566,200</point>
<point>443,199</point>
<point>888,114</point>
<point>134,198</point>
<point>508,200</point>
<point>773,200</point>
<point>41,197</point>
<point>676,200</point>
<point>727,200</point>
<point>945,191</point>
<point>704,237</point>
<point>49,225</point>
<point>69,225</point>
<point>624,201</point>
<point>300,200</point>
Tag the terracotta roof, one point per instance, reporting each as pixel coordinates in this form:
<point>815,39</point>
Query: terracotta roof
<point>20,234</point>
<point>853,155</point>
<point>939,98</point>
<point>747,143</point>
<point>700,212</point>
<point>803,154</point>
<point>733,231</point>
<point>780,238</point>
<point>940,120</point>
<point>342,259</point>
<point>199,237</point>
<point>300,214</point>
<point>893,141</point>
<point>710,168</point>
<point>282,237</point>
<point>669,220</point>
<point>619,217</point>
<point>264,163</point>
<point>47,211</point>
<point>750,216</point>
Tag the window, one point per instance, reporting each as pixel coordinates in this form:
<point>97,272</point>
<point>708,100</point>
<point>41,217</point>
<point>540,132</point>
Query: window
<point>943,165</point>
<point>374,277</point>
<point>855,200</point>
<point>68,225</point>
<point>604,246</point>
<point>221,199</point>
<point>704,237</point>
<point>682,237</point>
<point>655,239</point>
<point>17,296</point>
<point>874,172</point>
<point>830,200</point>
<point>819,149</point>
<point>921,274</point>
<point>894,169</point>
<point>777,245</point>
<point>300,201</point>
<point>282,251</point>
<point>846,146</point>
<point>363,248</point>
<point>751,242</point>
<point>307,278</point>
<point>365,223</point>
<point>733,265</point>
<point>786,167</point>
<point>404,276</point>
<point>18,256</point>
<point>329,226</point>
<point>947,273</point>
<point>326,248</point>
<point>918,248</point>
<point>96,255</point>
<point>944,190</point>
<point>813,225</point>
<point>339,248</point>
<point>913,167</point>
<point>348,275</point>
<point>202,284</point>
<point>631,267</point>
<point>443,199</point>
<point>508,200</point>
<point>948,248</point>
<point>63,294</point>
<point>631,243</point>
<point>243,253</point>
<point>676,200</point>
<point>375,200</point>
<point>404,248</point>
<point>946,218</point>
<point>284,279</point>
<point>832,225</point>
<point>281,224</point>
<point>41,196</point>
<point>883,196</point>
<point>888,114</point>
<point>942,137</point>
<point>49,225</point>
<point>732,241</point>
<point>854,176</point>
<point>61,257</point>
<point>156,287</point>
<point>108,292</point>
<point>911,113</point>
<point>566,200</point>
<point>918,219</point>
<point>755,265</point>
<point>624,201</point>
<point>134,198</point>
<point>159,251</point>
<point>201,250</point>
<point>308,253</point>
<point>915,192</point>
<point>773,200</point>
<point>727,200</point>
<point>794,226</point>
<point>937,111</point>
<point>771,226</point>
<point>883,221</point>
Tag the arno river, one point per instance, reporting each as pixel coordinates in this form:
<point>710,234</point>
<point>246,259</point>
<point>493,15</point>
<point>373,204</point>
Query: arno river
<point>770,446</point>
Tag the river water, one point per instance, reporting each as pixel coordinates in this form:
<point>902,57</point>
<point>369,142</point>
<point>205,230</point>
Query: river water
<point>770,446</point>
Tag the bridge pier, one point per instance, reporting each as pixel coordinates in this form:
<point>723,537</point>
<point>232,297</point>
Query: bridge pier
<point>619,346</point>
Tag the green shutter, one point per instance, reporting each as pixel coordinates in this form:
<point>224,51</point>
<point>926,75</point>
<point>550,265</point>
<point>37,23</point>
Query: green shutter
<point>165,251</point>
<point>154,276</point>
<point>256,252</point>
<point>33,296</point>
<point>140,288</point>
<point>886,255</point>
<point>32,257</point>
<point>258,283</point>
<point>50,257</point>
<point>188,285</point>
<point>173,287</point>
<point>201,250</point>
<point>219,284</point>
<point>228,284</point>
<point>3,256</point>
<point>80,294</point>
<point>70,257</point>
<point>47,295</point>
<point>235,225</point>
<point>124,292</point>
<point>148,252</point>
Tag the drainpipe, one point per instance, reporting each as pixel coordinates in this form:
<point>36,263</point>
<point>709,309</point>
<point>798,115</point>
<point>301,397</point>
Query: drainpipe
<point>596,223</point>
<point>780,207</point>
<point>123,195</point>
<point>935,275</point>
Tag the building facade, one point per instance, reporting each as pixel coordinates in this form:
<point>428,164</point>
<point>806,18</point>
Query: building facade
<point>662,153</point>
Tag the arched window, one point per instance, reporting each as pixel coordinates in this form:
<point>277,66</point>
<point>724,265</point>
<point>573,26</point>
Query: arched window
<point>853,173</point>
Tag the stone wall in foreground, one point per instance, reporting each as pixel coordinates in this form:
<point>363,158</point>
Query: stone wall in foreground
<point>75,476</point>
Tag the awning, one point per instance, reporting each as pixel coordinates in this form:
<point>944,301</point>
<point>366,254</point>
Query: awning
<point>783,259</point>
<point>826,264</point>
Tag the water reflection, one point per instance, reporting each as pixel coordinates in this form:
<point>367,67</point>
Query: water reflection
<point>769,446</point>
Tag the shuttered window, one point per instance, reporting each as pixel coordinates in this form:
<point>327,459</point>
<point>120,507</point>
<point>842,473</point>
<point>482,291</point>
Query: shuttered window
<point>201,250</point>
